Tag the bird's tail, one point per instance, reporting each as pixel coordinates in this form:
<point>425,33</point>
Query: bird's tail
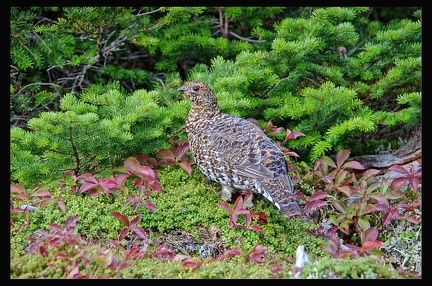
<point>289,208</point>
<point>280,191</point>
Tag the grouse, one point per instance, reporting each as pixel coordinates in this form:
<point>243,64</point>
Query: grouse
<point>235,152</point>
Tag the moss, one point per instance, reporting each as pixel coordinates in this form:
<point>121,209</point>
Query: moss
<point>361,268</point>
<point>95,221</point>
<point>186,203</point>
<point>236,268</point>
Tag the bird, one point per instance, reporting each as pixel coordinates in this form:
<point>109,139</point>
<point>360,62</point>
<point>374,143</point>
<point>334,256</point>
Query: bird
<point>236,153</point>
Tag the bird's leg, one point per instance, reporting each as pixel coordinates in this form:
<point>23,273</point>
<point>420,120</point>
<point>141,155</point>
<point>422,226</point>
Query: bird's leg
<point>210,181</point>
<point>247,203</point>
<point>226,193</point>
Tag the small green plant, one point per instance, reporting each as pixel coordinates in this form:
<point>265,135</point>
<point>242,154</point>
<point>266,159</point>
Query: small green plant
<point>358,207</point>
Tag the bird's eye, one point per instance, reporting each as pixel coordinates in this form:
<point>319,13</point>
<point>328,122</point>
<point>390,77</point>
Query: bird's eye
<point>195,88</point>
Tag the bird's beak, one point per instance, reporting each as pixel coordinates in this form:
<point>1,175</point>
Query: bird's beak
<point>182,89</point>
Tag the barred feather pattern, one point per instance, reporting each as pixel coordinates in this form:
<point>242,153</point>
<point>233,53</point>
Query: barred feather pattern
<point>236,153</point>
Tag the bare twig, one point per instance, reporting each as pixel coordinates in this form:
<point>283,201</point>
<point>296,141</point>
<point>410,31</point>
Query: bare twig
<point>36,83</point>
<point>246,39</point>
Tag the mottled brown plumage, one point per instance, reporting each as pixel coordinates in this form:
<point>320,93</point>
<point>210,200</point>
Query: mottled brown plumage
<point>236,153</point>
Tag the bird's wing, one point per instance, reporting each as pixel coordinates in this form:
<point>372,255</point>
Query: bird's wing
<point>242,144</point>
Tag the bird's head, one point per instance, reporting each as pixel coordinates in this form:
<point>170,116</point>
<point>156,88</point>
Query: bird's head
<point>200,94</point>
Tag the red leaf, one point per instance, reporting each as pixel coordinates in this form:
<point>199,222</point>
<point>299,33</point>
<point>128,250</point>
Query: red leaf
<point>318,195</point>
<point>300,195</point>
<point>327,161</point>
<point>145,171</point>
<point>381,199</point>
<point>123,233</point>
<point>352,247</point>
<point>130,252</point>
<point>87,177</point>
<point>165,154</point>
<point>256,228</point>
<point>131,164</point>
<point>254,256</point>
<point>135,220</point>
<point>375,208</point>
<point>260,249</point>
<point>416,203</point>
<point>405,207</point>
<point>347,190</point>
<point>163,252</point>
<point>70,222</point>
<point>341,156</point>
<point>395,195</point>
<point>338,207</point>
<point>120,179</point>
<point>193,265</point>
<point>368,245</point>
<point>20,190</point>
<point>186,167</point>
<point>115,243</point>
<point>224,206</point>
<point>93,193</point>
<point>292,135</point>
<point>73,273</point>
<point>386,219</point>
<point>277,130</point>
<point>108,183</point>
<point>142,159</point>
<point>155,185</point>
<point>414,182</point>
<point>138,182</point>
<point>399,169</point>
<point>121,217</point>
<point>328,180</point>
<point>291,154</point>
<point>241,210</point>
<point>314,205</point>
<point>62,206</point>
<point>233,220</point>
<point>369,173</point>
<point>354,165</point>
<point>238,203</point>
<point>87,186</point>
<point>55,226</point>
<point>270,124</point>
<point>43,251</point>
<point>42,193</point>
<point>136,205</point>
<point>248,219</point>
<point>140,232</point>
<point>151,207</point>
<point>262,218</point>
<point>181,149</point>
<point>230,253</point>
<point>131,198</point>
<point>54,242</point>
<point>371,234</point>
<point>398,183</point>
